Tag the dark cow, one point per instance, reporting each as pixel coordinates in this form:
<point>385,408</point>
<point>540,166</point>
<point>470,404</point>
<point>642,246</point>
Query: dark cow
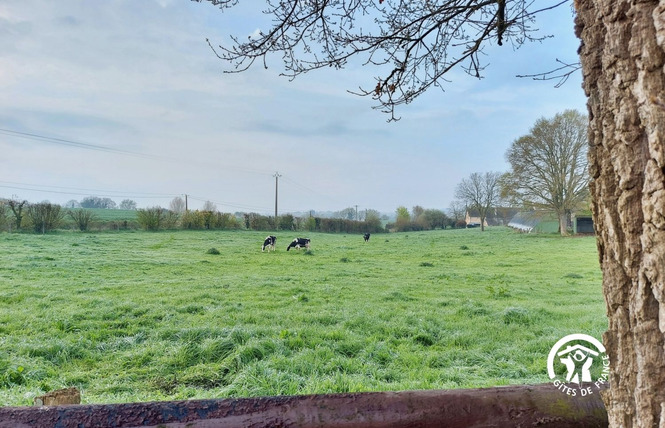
<point>366,236</point>
<point>298,243</point>
<point>269,243</point>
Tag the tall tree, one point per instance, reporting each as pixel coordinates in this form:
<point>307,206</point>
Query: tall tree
<point>456,211</point>
<point>623,59</point>
<point>549,166</point>
<point>347,213</point>
<point>413,45</point>
<point>417,211</point>
<point>177,205</point>
<point>17,209</point>
<point>403,215</point>
<point>480,192</point>
<point>127,204</point>
<point>209,206</point>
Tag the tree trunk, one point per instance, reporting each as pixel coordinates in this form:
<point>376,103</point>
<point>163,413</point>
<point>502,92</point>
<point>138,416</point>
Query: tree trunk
<point>563,224</point>
<point>622,56</point>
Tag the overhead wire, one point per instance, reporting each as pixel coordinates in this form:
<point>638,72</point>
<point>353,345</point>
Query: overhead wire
<point>102,148</point>
<point>137,195</point>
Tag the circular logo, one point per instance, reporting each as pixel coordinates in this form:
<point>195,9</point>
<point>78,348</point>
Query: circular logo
<point>573,359</point>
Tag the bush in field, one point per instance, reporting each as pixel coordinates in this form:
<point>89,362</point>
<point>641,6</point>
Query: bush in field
<point>208,219</point>
<point>310,224</point>
<point>170,220</point>
<point>196,220</point>
<point>192,220</point>
<point>45,216</point>
<point>226,221</point>
<point>82,218</point>
<point>286,222</point>
<point>3,215</point>
<point>259,222</point>
<point>151,218</point>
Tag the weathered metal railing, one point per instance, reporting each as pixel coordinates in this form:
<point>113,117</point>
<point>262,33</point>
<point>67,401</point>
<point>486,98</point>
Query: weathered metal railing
<point>511,406</point>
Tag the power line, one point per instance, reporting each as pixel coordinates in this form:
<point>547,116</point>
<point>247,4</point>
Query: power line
<point>95,191</point>
<point>107,149</point>
<point>71,143</point>
<point>119,194</point>
<point>116,195</point>
<point>98,147</point>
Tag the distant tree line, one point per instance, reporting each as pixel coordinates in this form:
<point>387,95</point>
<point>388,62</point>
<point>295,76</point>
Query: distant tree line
<point>19,215</point>
<point>95,202</point>
<point>420,219</point>
<point>157,218</point>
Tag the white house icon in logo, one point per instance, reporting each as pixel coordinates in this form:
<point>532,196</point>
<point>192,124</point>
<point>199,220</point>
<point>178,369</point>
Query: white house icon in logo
<point>574,356</point>
<point>578,359</point>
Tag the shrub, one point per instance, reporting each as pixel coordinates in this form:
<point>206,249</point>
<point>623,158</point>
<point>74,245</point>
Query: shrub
<point>82,218</point>
<point>151,218</point>
<point>192,220</point>
<point>45,216</point>
<point>3,215</point>
<point>286,222</point>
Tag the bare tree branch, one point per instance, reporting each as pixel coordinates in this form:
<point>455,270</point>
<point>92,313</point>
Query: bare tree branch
<point>562,73</point>
<point>412,44</point>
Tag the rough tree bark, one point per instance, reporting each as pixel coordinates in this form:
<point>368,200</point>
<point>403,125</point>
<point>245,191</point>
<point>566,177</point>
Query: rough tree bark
<point>622,56</point>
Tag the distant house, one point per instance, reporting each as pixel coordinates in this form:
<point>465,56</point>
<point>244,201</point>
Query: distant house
<point>472,219</point>
<point>499,216</point>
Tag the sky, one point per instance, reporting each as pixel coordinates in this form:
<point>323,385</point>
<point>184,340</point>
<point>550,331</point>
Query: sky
<point>126,100</point>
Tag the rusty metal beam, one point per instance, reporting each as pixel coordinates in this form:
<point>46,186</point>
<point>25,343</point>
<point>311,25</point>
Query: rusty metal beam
<point>511,406</point>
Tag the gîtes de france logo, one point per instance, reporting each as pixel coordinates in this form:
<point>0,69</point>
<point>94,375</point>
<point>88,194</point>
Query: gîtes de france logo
<point>583,355</point>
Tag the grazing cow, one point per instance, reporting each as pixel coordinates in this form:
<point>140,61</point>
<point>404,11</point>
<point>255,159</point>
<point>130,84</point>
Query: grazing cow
<point>366,236</point>
<point>269,243</point>
<point>298,243</point>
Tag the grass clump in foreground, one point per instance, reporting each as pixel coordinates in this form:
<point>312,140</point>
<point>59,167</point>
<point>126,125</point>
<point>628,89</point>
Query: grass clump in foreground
<point>150,316</point>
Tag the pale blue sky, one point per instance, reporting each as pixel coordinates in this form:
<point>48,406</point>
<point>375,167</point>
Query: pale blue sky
<point>139,79</point>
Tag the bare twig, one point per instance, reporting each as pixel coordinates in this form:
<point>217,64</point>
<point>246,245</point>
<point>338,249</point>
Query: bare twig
<point>413,44</point>
<point>561,73</point>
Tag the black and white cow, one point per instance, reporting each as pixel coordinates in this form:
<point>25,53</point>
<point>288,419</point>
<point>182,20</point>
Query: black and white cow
<point>269,243</point>
<point>298,243</point>
<point>366,237</point>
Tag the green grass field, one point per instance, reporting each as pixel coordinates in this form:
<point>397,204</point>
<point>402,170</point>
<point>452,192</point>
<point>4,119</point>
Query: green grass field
<point>113,215</point>
<point>138,316</point>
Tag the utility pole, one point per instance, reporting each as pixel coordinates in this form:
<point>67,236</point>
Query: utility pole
<point>186,210</point>
<point>277,175</point>
<point>356,212</point>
